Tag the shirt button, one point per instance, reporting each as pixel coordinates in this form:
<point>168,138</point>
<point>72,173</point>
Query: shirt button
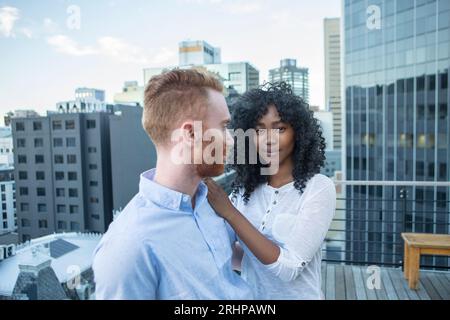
<point>276,192</point>
<point>274,202</point>
<point>268,211</point>
<point>303,263</point>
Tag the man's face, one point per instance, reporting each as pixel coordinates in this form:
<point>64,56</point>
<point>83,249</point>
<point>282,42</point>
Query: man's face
<point>215,122</point>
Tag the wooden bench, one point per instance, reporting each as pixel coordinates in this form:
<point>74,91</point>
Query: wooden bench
<point>417,244</point>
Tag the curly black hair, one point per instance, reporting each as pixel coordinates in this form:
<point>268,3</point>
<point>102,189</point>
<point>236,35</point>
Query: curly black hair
<point>309,149</point>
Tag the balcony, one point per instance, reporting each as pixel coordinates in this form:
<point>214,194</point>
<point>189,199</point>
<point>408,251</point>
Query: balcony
<point>347,282</point>
<point>366,232</point>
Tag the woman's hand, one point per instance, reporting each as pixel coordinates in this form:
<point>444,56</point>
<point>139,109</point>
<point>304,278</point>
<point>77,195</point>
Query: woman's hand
<point>218,199</point>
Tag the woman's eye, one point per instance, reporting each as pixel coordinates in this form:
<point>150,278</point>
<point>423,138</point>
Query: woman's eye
<point>282,129</point>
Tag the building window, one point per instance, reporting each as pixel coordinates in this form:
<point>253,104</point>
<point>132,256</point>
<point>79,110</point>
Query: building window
<point>73,193</point>
<point>74,226</point>
<point>73,209</point>
<point>71,158</point>
<point>40,192</point>
<point>70,124</point>
<point>37,125</point>
<point>38,143</point>
<point>62,225</point>
<point>23,175</point>
<point>93,183</point>
<point>20,126</point>
<point>93,200</point>
<point>23,191</point>
<point>443,111</point>
<point>21,158</point>
<point>42,207</point>
<point>72,176</point>
<point>25,223</point>
<point>60,192</point>
<point>95,216</point>
<point>40,175</point>
<point>57,125</point>
<point>60,208</point>
<point>57,142</point>
<point>39,158</point>
<point>92,166</point>
<point>59,175</point>
<point>92,149</point>
<point>90,124</point>
<point>59,159</point>
<point>24,206</point>
<point>21,143</point>
<point>70,142</point>
<point>43,224</point>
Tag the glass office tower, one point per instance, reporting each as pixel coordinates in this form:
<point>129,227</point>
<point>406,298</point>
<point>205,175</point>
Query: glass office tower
<point>397,124</point>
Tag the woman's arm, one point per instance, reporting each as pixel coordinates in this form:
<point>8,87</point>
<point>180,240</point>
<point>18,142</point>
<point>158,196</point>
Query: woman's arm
<point>308,232</point>
<point>264,249</point>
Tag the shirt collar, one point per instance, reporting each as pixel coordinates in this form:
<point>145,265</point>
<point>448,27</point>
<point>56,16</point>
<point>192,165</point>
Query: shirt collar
<point>168,198</point>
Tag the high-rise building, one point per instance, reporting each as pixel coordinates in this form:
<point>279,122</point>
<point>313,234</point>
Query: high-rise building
<point>6,147</point>
<point>8,221</point>
<point>397,123</point>
<point>73,169</point>
<point>332,50</point>
<point>296,77</point>
<point>197,53</point>
<point>326,123</point>
<point>62,172</point>
<point>132,93</point>
<point>86,100</point>
<point>128,160</point>
<point>237,77</point>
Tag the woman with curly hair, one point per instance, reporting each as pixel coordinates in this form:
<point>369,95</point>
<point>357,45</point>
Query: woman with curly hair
<point>281,219</point>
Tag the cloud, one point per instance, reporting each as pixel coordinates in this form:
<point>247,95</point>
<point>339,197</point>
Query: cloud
<point>231,6</point>
<point>243,7</point>
<point>27,32</point>
<point>66,45</point>
<point>8,17</point>
<point>113,48</point>
<point>50,26</point>
<point>162,56</point>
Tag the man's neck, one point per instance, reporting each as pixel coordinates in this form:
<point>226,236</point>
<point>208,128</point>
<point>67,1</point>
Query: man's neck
<point>181,178</point>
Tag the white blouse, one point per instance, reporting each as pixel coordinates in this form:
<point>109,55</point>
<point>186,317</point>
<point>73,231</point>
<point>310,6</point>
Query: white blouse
<point>297,223</point>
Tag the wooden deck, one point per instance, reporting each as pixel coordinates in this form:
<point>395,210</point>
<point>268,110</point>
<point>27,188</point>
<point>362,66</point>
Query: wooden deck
<point>346,282</point>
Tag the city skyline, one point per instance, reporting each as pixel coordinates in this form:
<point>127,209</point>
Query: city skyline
<point>101,45</point>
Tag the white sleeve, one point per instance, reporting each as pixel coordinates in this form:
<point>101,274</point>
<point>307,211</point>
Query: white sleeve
<point>309,231</point>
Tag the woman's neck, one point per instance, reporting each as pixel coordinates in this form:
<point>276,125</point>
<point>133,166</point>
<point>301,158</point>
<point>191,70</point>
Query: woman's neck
<point>283,175</point>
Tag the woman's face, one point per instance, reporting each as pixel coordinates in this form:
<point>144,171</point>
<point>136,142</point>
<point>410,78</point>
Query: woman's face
<point>270,148</point>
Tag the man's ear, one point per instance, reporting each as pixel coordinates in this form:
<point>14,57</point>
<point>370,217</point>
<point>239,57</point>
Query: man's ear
<point>187,129</point>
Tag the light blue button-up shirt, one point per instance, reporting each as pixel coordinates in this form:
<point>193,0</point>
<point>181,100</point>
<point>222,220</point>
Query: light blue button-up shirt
<point>159,247</point>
